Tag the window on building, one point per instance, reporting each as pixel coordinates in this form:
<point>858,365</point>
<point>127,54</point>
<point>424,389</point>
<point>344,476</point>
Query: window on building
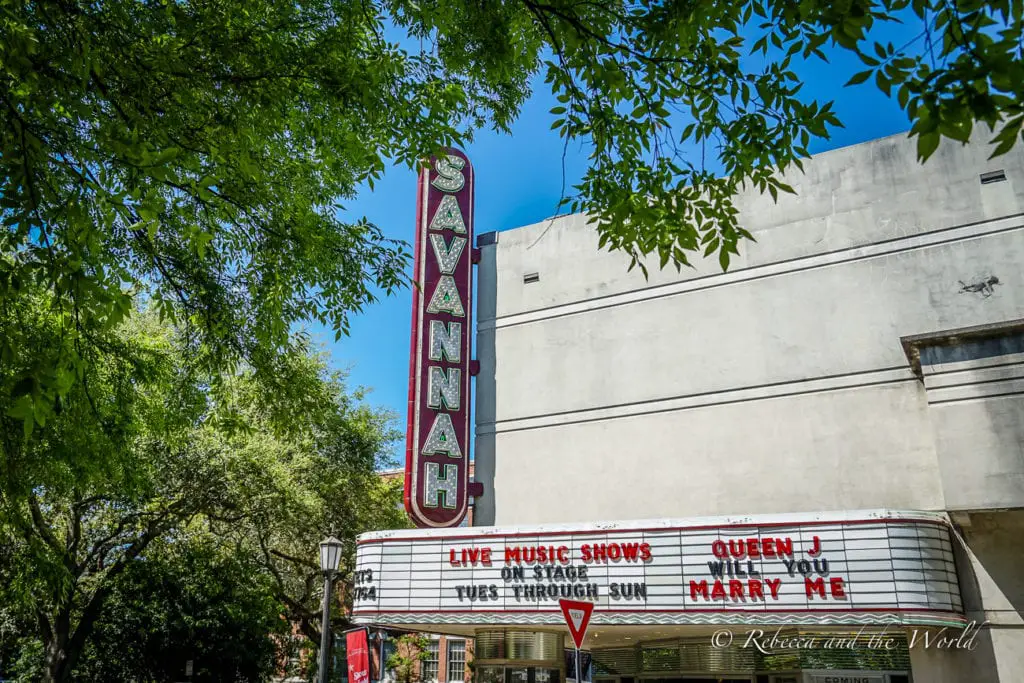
<point>586,663</point>
<point>294,665</point>
<point>387,649</point>
<point>456,661</point>
<point>429,666</point>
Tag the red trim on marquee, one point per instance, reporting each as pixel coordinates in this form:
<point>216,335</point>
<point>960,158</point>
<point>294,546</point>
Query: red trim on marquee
<point>699,527</point>
<point>865,610</point>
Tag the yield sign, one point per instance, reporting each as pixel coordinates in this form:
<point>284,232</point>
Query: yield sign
<point>577,618</point>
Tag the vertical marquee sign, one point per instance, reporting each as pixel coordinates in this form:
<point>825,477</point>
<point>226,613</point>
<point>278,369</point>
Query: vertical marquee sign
<point>437,440</point>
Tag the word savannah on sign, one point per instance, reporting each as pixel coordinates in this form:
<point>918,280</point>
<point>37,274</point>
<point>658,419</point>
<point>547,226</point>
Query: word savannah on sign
<point>437,438</point>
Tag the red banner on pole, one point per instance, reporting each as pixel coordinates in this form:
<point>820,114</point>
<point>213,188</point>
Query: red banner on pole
<point>358,655</point>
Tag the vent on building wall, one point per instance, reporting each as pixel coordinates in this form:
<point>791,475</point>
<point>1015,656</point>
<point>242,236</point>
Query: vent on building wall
<point>531,277</point>
<point>993,177</point>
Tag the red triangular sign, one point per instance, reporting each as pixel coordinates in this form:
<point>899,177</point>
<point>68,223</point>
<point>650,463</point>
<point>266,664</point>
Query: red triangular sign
<point>577,618</point>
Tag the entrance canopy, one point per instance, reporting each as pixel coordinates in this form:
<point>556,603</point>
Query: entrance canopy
<point>876,567</point>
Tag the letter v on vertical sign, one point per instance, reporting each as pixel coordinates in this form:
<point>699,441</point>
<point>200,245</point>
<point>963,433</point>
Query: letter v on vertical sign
<point>577,618</point>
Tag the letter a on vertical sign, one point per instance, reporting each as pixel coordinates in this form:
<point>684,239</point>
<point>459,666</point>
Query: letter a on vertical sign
<point>438,433</point>
<point>577,618</point>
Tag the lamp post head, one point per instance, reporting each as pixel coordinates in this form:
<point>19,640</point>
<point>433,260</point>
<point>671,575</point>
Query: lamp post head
<point>330,554</point>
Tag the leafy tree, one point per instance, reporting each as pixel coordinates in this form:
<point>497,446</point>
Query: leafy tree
<point>195,152</point>
<point>148,451</point>
<point>314,452</point>
<point>406,662</point>
<point>189,601</point>
<point>648,83</point>
<point>81,498</point>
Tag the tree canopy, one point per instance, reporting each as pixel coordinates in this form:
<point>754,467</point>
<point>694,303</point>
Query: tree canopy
<point>196,153</point>
<point>150,461</point>
<point>187,602</point>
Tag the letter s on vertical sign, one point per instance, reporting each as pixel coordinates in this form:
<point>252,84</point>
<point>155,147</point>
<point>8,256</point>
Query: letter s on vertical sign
<point>449,173</point>
<point>438,431</point>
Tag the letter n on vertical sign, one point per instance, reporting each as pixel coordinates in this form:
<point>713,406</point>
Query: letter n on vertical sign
<point>437,438</point>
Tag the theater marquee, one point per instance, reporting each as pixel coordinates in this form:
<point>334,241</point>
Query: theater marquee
<point>437,439</point>
<point>878,567</point>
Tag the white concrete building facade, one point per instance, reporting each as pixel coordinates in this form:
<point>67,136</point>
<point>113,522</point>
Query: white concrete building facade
<point>853,385</point>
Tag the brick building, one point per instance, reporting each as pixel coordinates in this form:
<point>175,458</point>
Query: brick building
<point>450,658</point>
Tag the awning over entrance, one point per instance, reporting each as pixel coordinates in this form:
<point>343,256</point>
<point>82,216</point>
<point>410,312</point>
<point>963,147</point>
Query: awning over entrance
<point>873,567</point>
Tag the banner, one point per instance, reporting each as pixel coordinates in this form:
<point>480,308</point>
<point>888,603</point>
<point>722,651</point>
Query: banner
<point>358,653</point>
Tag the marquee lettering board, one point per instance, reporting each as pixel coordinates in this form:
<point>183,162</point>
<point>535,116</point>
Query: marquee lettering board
<point>876,567</point>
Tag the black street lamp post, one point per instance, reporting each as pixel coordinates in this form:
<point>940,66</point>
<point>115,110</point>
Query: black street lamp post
<point>330,553</point>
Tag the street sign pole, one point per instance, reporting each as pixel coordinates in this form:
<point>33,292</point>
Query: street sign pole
<point>577,618</point>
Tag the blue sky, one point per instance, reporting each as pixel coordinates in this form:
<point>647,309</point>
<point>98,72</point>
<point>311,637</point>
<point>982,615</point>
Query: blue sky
<point>519,181</point>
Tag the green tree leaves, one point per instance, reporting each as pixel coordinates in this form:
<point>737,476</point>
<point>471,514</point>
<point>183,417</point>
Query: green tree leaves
<point>405,663</point>
<point>664,92</point>
<point>963,67</point>
<point>628,78</point>
<point>149,455</point>
<point>190,601</point>
<point>195,154</point>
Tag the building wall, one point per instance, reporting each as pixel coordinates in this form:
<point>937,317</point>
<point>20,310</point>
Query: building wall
<point>444,672</point>
<point>976,406</point>
<point>866,352</point>
<point>780,386</point>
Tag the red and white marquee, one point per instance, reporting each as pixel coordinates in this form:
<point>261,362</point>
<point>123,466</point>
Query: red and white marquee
<point>874,567</point>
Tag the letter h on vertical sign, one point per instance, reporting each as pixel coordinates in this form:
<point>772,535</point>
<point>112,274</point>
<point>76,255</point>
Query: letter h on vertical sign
<point>438,434</point>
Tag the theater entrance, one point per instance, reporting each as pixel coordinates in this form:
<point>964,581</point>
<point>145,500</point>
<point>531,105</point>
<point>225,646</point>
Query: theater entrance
<point>680,679</point>
<point>790,677</point>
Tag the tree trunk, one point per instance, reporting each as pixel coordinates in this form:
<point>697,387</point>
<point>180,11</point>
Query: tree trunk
<point>63,646</point>
<point>55,657</point>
